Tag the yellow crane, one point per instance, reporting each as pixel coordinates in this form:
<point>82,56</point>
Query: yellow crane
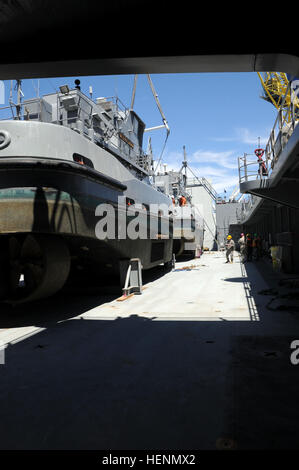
<point>275,86</point>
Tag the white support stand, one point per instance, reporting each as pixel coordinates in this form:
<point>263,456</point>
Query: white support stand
<point>173,261</point>
<point>133,281</point>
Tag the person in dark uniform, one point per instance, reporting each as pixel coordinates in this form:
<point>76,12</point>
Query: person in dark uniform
<point>249,247</point>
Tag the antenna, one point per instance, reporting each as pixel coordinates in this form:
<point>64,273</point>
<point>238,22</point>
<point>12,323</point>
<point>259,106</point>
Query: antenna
<point>90,91</point>
<point>184,165</point>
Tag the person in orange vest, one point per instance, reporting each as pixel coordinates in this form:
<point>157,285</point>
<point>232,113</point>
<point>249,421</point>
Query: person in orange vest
<point>183,201</point>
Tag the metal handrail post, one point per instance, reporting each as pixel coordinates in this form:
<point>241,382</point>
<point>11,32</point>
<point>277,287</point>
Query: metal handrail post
<point>245,168</point>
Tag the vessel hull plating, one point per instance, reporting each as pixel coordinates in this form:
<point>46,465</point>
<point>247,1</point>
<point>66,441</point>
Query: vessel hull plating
<point>61,200</point>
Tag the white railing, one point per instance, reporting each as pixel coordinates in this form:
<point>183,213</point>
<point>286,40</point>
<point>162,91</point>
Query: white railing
<point>287,118</point>
<point>250,168</point>
<point>247,206</point>
<point>85,124</point>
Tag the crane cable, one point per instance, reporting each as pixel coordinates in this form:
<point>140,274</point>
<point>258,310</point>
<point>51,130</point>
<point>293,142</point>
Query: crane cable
<point>165,123</point>
<point>155,95</point>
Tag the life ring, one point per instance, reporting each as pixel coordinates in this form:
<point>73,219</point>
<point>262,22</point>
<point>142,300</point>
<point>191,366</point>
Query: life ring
<point>6,139</point>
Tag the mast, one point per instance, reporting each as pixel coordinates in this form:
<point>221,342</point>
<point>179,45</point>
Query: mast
<point>185,164</point>
<point>19,99</point>
<point>10,99</point>
<point>184,167</point>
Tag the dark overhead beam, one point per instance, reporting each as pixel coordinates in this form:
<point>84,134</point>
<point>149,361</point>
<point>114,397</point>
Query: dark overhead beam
<point>47,38</point>
<point>167,64</point>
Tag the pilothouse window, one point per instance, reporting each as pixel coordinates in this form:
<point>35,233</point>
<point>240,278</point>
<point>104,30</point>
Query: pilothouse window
<point>33,116</point>
<point>82,160</point>
<point>130,202</point>
<point>72,116</point>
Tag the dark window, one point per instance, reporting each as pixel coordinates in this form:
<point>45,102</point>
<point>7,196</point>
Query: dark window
<point>33,116</point>
<point>130,202</point>
<point>71,116</point>
<point>82,160</point>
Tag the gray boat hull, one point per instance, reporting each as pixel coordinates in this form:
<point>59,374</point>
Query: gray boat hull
<point>59,200</point>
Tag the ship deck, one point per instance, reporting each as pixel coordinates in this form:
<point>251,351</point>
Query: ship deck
<point>200,360</point>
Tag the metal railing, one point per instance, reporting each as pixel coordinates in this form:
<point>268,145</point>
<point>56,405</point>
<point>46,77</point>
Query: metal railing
<point>283,128</point>
<point>84,123</point>
<point>247,207</point>
<point>251,168</point>
<point>202,182</point>
<point>209,188</point>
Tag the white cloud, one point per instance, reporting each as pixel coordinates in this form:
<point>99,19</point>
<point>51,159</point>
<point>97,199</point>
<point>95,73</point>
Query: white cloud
<point>244,135</point>
<point>206,162</point>
<point>224,139</point>
<point>220,177</point>
<point>248,137</point>
<point>228,183</point>
<point>223,159</point>
<point>204,170</point>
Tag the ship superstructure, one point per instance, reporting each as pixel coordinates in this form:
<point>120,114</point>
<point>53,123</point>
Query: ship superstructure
<point>188,228</point>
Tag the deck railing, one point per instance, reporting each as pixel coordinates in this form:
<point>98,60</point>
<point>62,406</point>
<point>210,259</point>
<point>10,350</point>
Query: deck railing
<point>85,123</point>
<point>250,167</point>
<point>247,206</point>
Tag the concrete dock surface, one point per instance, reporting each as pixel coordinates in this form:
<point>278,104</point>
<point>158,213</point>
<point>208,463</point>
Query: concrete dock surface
<point>200,360</point>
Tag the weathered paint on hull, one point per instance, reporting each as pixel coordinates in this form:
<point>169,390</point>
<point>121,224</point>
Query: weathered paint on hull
<point>52,211</point>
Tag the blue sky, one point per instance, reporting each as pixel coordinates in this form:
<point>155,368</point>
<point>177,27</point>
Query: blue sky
<point>216,116</point>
